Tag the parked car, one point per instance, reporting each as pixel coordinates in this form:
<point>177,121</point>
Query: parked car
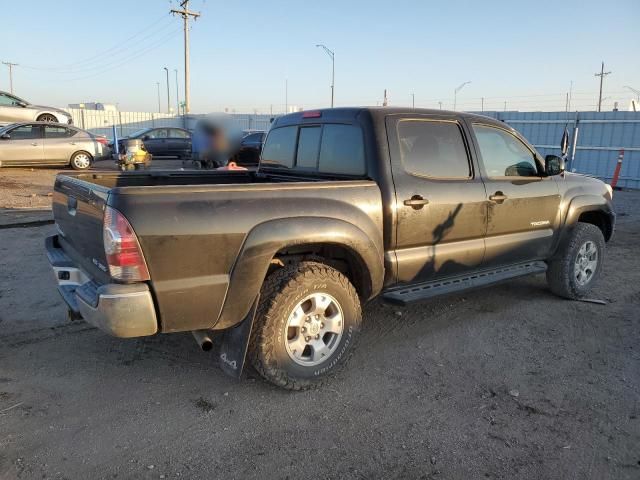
<point>14,109</point>
<point>347,204</point>
<point>250,148</point>
<point>44,143</point>
<point>161,142</point>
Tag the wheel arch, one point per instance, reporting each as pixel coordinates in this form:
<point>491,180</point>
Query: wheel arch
<point>321,239</point>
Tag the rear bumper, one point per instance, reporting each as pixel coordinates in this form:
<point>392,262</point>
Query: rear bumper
<point>120,310</point>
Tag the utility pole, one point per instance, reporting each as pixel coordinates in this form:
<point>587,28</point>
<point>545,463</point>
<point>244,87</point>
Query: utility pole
<point>482,104</point>
<point>602,74</point>
<point>413,100</point>
<point>177,93</point>
<point>384,101</point>
<point>332,55</point>
<point>168,99</point>
<point>10,65</point>
<point>159,109</point>
<point>186,13</point>
<point>440,103</point>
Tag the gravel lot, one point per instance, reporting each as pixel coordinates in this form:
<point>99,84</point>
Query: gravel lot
<point>508,382</point>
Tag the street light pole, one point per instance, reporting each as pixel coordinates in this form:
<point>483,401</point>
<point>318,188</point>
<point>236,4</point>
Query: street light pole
<point>413,100</point>
<point>177,93</point>
<point>168,99</point>
<point>455,94</point>
<point>159,109</point>
<point>333,69</point>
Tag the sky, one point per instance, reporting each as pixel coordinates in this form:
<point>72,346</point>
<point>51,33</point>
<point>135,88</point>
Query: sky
<point>244,53</point>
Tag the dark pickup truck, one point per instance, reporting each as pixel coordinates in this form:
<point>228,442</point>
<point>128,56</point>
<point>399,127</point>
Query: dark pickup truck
<point>347,204</point>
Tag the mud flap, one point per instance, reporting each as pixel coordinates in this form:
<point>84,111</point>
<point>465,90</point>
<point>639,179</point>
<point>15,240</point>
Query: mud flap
<point>235,343</point>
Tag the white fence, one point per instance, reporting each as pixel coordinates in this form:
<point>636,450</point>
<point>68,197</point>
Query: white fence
<point>101,122</point>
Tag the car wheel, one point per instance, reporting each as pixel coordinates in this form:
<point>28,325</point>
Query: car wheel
<point>306,324</point>
<point>575,271</point>
<point>47,117</point>
<point>81,161</point>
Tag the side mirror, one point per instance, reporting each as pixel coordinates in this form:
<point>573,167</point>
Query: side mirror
<point>146,137</point>
<point>5,136</point>
<point>553,165</point>
<point>22,104</point>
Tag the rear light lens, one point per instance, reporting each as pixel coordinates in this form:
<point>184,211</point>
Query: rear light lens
<point>124,255</point>
<point>103,140</point>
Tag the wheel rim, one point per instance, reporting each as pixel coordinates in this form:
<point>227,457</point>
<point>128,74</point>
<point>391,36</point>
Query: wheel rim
<point>81,160</point>
<point>314,329</point>
<point>48,118</point>
<point>586,263</point>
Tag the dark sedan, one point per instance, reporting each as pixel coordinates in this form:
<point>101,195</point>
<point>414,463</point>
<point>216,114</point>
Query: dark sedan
<point>162,141</point>
<point>250,148</point>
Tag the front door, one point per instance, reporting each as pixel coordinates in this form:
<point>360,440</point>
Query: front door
<point>523,203</point>
<point>440,199</point>
<point>23,147</point>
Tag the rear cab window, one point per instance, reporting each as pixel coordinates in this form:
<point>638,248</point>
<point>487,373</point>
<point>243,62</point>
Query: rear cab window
<point>324,148</point>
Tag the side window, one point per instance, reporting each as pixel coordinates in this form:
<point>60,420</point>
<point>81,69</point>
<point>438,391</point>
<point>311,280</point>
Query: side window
<point>308,147</point>
<point>25,132</point>
<point>159,133</point>
<point>176,133</point>
<point>252,138</point>
<point>280,147</point>
<point>51,131</point>
<point>433,148</point>
<point>342,150</point>
<point>503,154</point>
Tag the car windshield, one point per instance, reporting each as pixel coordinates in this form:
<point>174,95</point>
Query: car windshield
<point>139,133</point>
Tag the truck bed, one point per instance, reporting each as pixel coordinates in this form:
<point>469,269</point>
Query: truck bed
<point>193,226</point>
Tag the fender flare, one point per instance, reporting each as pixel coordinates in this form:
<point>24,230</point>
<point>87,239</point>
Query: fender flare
<point>266,239</point>
<point>579,205</point>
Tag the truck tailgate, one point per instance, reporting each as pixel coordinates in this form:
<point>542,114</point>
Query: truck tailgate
<point>78,210</point>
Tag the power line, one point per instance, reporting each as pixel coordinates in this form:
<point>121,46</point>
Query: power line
<point>114,50</point>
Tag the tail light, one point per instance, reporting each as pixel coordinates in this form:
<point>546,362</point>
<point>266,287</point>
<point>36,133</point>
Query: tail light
<point>122,249</point>
<point>104,141</point>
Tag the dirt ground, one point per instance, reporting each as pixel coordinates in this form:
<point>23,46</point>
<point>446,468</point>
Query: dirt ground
<point>508,382</point>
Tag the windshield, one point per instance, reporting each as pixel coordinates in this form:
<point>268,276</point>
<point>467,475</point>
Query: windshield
<point>7,127</point>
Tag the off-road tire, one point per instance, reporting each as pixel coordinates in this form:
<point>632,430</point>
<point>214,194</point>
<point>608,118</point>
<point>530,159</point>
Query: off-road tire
<point>560,273</point>
<point>280,293</point>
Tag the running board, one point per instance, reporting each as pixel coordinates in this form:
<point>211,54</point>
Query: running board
<point>421,291</point>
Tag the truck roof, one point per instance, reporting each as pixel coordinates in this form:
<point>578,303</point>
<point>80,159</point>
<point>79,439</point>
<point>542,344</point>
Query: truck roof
<point>350,114</point>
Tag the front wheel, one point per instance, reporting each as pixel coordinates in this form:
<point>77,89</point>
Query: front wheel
<point>573,274</point>
<point>47,117</point>
<point>306,323</point>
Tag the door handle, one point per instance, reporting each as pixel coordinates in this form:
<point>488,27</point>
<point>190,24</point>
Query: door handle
<point>498,197</point>
<point>34,144</point>
<point>72,143</point>
<point>416,202</point>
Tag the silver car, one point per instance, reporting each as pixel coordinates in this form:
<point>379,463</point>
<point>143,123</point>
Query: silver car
<point>45,143</point>
<point>14,109</point>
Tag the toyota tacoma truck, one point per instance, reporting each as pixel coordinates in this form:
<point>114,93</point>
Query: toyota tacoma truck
<point>347,204</point>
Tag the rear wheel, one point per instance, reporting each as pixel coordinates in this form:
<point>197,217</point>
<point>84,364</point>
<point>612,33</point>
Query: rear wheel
<point>305,326</point>
<point>573,274</point>
<point>80,161</point>
<point>46,117</point>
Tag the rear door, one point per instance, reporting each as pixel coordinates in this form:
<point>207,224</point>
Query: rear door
<point>440,197</point>
<point>522,203</point>
<point>179,141</point>
<point>59,144</point>
<point>23,147</point>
